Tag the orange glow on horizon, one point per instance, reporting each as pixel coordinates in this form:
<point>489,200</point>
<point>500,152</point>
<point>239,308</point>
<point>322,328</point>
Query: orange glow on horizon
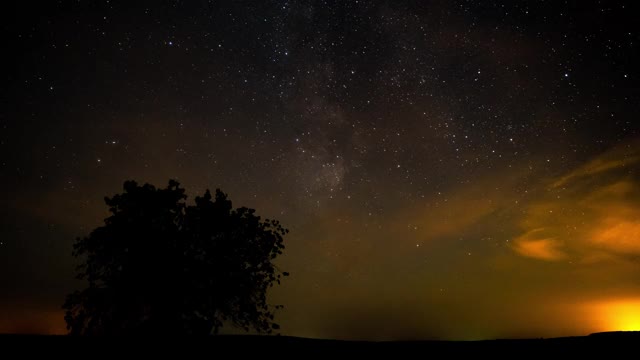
<point>618,315</point>
<point>32,321</point>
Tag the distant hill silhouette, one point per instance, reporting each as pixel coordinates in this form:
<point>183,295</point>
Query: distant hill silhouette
<point>608,345</point>
<point>617,334</point>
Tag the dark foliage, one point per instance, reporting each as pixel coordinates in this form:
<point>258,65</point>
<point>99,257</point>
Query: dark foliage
<point>159,266</point>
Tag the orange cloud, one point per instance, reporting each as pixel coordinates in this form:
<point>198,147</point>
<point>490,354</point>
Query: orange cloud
<point>619,235</point>
<point>461,208</point>
<point>615,158</point>
<point>591,169</point>
<point>453,216</point>
<point>590,214</point>
<point>530,245</point>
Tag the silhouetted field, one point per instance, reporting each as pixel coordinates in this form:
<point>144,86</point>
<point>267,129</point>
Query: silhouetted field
<point>231,346</point>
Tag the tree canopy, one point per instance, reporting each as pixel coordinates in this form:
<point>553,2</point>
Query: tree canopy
<point>160,266</point>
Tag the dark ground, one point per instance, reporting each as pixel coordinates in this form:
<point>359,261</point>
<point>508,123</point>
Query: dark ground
<point>609,345</point>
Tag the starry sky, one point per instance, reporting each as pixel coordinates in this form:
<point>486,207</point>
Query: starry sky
<point>448,169</point>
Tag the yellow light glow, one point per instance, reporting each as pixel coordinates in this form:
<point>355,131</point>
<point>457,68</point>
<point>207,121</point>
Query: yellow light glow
<point>619,315</point>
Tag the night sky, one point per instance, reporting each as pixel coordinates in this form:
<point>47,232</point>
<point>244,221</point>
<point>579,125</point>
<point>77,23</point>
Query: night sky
<point>448,169</point>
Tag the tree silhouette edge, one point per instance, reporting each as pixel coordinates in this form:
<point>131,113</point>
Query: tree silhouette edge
<point>161,266</point>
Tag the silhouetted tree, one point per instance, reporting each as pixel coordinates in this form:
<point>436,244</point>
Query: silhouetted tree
<point>159,266</point>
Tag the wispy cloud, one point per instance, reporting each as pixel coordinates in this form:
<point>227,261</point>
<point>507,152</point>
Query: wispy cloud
<point>534,244</point>
<point>589,214</point>
<point>616,158</point>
